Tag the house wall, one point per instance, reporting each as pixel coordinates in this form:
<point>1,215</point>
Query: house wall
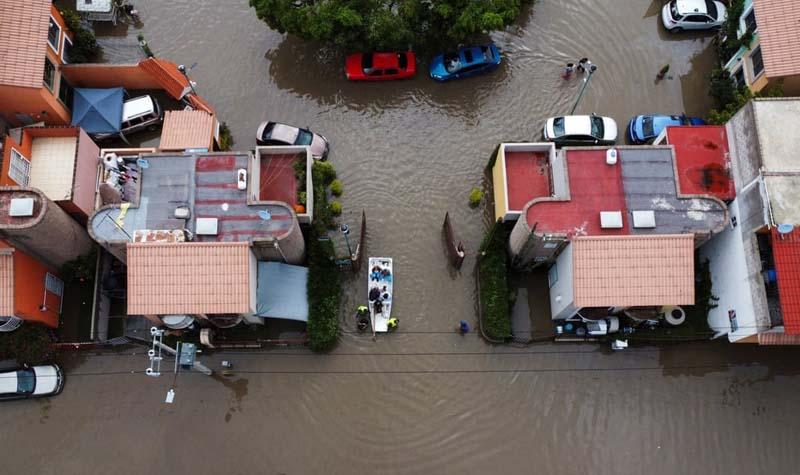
<point>744,146</point>
<point>499,184</point>
<point>129,76</point>
<point>84,182</point>
<point>562,301</point>
<point>789,84</point>
<point>38,103</point>
<point>29,291</point>
<point>733,283</point>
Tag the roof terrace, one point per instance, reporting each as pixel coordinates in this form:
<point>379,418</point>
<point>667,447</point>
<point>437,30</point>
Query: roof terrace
<point>638,194</point>
<point>205,194</point>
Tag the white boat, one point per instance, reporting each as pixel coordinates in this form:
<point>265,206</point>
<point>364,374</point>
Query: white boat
<point>380,292</point>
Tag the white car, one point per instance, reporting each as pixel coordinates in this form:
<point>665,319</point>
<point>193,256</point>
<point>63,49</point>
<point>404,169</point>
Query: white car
<point>29,382</point>
<point>139,113</point>
<point>581,130</point>
<point>679,15</point>
<point>275,133</point>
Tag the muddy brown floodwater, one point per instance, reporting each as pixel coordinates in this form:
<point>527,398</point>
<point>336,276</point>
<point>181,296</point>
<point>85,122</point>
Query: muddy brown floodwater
<point>424,400</point>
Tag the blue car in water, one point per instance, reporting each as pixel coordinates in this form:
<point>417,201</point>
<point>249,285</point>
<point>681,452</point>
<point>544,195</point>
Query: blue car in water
<point>644,128</point>
<point>467,61</point>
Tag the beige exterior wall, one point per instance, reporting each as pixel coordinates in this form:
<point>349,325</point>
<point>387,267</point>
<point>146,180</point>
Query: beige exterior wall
<point>499,185</point>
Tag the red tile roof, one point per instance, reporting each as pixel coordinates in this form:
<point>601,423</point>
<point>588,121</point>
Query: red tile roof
<point>6,282</point>
<point>703,160</point>
<point>628,271</point>
<point>527,177</point>
<point>775,339</point>
<point>187,129</point>
<point>779,30</point>
<point>594,187</point>
<point>188,278</point>
<point>167,75</point>
<point>786,252</point>
<point>23,41</point>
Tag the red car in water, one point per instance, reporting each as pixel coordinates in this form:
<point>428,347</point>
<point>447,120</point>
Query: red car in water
<point>380,66</point>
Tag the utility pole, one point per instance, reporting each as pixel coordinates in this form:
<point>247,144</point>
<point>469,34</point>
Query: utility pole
<point>184,357</point>
<point>346,231</point>
<point>590,68</point>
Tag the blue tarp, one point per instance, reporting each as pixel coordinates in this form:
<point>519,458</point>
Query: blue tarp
<point>98,111</point>
<point>282,291</point>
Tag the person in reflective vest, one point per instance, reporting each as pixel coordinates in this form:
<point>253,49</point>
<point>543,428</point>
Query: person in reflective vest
<point>392,323</point>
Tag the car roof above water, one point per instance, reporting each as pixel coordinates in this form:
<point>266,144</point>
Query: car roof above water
<point>137,106</point>
<point>686,7</point>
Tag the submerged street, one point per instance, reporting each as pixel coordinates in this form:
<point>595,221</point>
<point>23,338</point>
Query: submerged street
<point>424,399</point>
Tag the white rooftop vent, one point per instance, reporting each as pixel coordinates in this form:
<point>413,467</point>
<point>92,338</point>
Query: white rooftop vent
<point>21,207</point>
<point>611,219</point>
<point>644,219</point>
<point>206,227</point>
<point>611,156</point>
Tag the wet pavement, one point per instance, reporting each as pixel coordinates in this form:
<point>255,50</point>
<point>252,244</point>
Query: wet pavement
<point>424,400</point>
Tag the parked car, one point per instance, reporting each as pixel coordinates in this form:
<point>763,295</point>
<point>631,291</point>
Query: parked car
<point>581,130</point>
<point>679,15</point>
<point>467,61</point>
<point>139,113</point>
<point>275,133</point>
<point>30,382</point>
<point>380,66</point>
<point>644,128</point>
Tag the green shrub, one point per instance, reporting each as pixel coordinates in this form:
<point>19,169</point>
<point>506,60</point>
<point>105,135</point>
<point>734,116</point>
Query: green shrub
<point>337,188</point>
<point>80,269</point>
<point>336,208</point>
<point>324,289</point>
<point>302,198</point>
<point>84,44</point>
<point>325,171</point>
<point>475,197</point>
<point>225,137</point>
<point>30,344</point>
<point>492,272</point>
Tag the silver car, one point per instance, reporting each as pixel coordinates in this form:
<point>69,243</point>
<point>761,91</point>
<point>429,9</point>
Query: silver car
<point>679,15</point>
<point>275,133</point>
<point>580,130</point>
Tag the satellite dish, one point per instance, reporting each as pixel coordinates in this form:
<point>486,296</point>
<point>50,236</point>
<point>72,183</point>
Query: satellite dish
<point>265,215</point>
<point>785,228</point>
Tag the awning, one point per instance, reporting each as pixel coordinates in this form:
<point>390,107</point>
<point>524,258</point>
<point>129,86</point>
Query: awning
<point>98,111</point>
<point>282,291</point>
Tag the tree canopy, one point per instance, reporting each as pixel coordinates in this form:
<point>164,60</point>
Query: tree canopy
<point>387,25</point>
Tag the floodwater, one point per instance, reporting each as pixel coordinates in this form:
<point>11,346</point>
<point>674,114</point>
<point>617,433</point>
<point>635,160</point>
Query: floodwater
<point>424,400</point>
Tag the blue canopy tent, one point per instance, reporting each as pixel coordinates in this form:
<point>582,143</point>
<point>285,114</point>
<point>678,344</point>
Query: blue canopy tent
<point>282,291</point>
<point>98,111</point>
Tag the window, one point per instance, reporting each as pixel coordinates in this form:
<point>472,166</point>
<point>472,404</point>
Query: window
<point>65,93</point>
<point>711,9</point>
<point>738,78</point>
<point>468,56</point>
<point>552,275</point>
<point>558,126</point>
<point>54,34</point>
<point>402,60</point>
<point>54,285</point>
<point>49,73</point>
<point>598,130</point>
<point>750,21</point>
<point>757,61</point>
<point>673,10</point>
<point>696,18</point>
<point>19,169</point>
<point>390,72</point>
<point>66,49</point>
<point>26,381</point>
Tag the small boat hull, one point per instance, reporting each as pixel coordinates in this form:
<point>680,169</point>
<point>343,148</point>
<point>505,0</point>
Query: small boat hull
<point>380,292</point>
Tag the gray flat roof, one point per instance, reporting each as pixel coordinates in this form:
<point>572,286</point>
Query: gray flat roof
<point>649,184</point>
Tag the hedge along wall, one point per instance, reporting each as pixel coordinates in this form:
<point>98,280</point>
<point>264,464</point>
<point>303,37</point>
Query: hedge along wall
<point>493,280</point>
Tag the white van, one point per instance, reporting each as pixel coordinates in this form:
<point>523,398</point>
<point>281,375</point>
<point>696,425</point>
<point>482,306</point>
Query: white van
<point>139,113</point>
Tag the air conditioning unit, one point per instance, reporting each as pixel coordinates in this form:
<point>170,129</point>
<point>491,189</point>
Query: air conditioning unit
<point>206,227</point>
<point>644,219</point>
<point>21,207</point>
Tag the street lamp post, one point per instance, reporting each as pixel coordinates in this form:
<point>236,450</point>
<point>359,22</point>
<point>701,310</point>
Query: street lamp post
<point>346,231</point>
<point>592,68</point>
